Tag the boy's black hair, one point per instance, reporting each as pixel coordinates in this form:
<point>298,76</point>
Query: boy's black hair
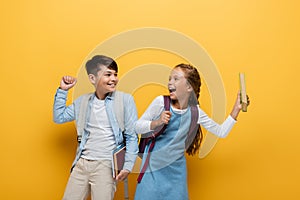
<point>93,65</point>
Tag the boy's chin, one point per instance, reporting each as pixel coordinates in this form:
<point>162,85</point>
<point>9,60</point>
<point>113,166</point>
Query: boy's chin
<point>112,90</point>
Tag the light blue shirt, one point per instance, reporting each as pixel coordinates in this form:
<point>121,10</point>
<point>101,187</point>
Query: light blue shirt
<point>63,113</point>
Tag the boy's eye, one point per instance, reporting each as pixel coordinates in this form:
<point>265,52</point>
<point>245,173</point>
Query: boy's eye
<point>110,74</point>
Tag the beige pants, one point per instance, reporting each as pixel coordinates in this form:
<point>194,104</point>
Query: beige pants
<point>93,177</point>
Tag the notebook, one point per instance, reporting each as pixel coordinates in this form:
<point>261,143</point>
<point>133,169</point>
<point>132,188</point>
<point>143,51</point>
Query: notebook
<point>118,159</point>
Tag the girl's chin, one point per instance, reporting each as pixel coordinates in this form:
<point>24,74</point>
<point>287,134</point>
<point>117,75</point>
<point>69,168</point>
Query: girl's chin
<point>172,96</point>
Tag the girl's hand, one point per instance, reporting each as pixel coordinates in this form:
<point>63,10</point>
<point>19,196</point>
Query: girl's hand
<point>164,119</point>
<point>238,106</point>
<point>67,82</point>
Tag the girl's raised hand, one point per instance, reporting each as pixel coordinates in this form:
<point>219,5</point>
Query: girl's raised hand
<point>238,106</point>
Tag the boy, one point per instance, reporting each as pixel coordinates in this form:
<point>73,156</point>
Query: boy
<point>91,170</point>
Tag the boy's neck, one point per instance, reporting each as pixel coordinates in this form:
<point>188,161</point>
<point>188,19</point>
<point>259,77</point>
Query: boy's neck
<point>101,96</point>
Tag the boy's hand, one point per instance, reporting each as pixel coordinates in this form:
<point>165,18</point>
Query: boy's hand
<point>122,175</point>
<point>67,82</point>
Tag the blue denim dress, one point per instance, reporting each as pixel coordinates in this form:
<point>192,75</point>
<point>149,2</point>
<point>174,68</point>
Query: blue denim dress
<point>166,176</point>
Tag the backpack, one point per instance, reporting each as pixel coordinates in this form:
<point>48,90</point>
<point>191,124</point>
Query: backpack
<point>119,111</point>
<point>118,107</point>
<point>146,140</point>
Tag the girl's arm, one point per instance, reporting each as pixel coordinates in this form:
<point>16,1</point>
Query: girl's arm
<point>163,119</point>
<point>237,107</point>
<point>151,117</point>
<point>221,130</point>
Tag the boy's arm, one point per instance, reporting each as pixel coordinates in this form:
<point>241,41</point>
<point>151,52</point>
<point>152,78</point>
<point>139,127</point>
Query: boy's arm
<point>131,138</point>
<point>62,113</point>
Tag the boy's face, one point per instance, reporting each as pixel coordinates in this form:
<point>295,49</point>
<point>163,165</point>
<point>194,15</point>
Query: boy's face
<point>105,81</point>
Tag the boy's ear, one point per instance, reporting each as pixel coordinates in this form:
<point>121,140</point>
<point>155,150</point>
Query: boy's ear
<point>92,78</point>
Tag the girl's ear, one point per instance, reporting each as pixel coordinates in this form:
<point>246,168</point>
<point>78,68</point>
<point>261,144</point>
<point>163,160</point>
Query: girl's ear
<point>189,87</point>
<point>92,78</point>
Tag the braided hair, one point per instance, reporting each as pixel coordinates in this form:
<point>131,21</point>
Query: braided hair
<point>193,78</point>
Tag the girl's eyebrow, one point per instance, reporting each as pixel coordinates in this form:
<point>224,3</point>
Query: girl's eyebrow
<point>178,75</point>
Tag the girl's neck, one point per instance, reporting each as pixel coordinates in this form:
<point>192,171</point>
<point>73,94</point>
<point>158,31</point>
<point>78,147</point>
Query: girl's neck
<point>179,105</point>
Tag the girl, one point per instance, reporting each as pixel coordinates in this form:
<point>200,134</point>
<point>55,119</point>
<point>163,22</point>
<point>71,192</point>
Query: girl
<point>165,177</point>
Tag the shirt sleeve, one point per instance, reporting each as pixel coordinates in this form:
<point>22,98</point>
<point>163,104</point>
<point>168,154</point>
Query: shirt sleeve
<point>130,135</point>
<point>61,112</point>
<point>220,130</point>
<point>152,113</point>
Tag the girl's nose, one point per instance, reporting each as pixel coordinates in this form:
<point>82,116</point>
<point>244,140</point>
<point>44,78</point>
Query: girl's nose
<point>170,81</point>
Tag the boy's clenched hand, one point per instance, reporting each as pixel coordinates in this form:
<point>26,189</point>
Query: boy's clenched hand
<point>67,82</point>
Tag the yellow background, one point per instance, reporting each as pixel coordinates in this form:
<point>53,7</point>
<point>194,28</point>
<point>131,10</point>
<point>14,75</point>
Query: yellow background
<point>43,40</point>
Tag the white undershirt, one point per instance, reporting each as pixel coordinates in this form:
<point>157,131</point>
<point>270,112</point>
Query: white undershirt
<point>101,141</point>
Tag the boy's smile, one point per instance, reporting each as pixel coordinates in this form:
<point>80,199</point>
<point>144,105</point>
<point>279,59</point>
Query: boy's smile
<point>105,81</point>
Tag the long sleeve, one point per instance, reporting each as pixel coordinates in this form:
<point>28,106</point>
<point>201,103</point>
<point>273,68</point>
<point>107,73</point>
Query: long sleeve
<point>220,130</point>
<point>130,135</point>
<point>61,112</point>
<point>152,113</point>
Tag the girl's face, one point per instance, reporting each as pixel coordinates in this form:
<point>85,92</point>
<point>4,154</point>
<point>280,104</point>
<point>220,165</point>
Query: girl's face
<point>178,85</point>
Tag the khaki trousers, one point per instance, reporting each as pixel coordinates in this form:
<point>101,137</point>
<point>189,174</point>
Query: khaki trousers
<point>93,177</point>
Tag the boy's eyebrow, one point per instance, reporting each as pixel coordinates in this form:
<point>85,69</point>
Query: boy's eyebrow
<point>110,71</point>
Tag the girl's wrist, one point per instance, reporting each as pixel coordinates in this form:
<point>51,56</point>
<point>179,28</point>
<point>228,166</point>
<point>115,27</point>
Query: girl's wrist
<point>235,112</point>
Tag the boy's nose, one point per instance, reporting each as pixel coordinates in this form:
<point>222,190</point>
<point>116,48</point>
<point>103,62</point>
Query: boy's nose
<point>113,77</point>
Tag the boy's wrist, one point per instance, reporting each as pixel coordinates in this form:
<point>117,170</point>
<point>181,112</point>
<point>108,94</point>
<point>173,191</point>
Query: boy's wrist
<point>62,88</point>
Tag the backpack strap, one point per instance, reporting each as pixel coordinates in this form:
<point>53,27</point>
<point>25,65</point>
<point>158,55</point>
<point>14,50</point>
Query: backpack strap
<point>153,139</point>
<point>118,108</point>
<point>167,108</point>
<point>82,115</point>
